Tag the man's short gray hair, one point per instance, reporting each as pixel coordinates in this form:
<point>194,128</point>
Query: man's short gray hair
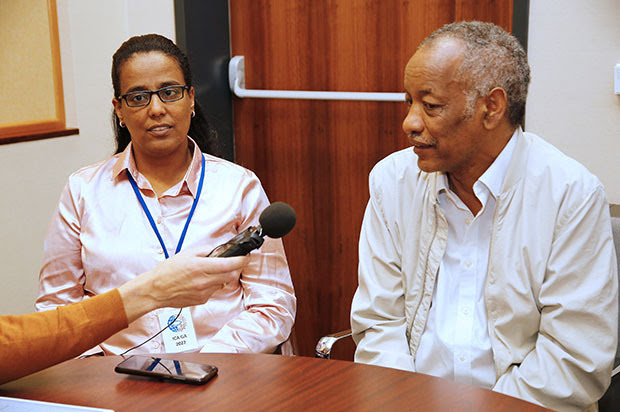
<point>492,58</point>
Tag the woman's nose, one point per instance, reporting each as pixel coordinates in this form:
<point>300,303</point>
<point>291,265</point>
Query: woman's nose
<point>156,106</point>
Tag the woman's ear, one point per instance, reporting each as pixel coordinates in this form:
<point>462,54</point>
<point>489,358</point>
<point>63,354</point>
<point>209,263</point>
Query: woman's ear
<point>495,106</point>
<point>190,93</point>
<point>117,108</point>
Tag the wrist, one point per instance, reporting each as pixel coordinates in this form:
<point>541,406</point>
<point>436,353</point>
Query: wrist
<point>136,298</point>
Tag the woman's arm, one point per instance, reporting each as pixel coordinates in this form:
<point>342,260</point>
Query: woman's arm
<point>268,296</point>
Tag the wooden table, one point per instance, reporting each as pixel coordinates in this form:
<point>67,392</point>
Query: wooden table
<point>258,382</point>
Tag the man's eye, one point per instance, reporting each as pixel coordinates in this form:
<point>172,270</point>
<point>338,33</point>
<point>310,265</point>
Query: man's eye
<point>431,106</point>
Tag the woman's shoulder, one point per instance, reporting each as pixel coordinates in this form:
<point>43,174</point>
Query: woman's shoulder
<point>103,169</point>
<point>222,167</point>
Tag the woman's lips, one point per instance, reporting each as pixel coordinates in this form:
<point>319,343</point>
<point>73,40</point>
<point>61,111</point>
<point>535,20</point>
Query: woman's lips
<point>160,130</point>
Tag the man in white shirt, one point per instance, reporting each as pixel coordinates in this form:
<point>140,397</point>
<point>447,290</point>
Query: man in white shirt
<point>486,255</point>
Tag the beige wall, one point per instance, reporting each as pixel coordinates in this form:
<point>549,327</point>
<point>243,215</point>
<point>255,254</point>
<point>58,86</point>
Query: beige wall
<point>34,173</point>
<point>573,47</point>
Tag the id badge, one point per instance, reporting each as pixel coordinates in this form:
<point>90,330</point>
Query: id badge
<point>180,335</point>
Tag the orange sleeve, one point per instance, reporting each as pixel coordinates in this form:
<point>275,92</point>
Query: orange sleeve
<point>35,341</point>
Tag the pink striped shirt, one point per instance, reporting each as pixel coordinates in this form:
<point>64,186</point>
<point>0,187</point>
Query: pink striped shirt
<point>100,237</point>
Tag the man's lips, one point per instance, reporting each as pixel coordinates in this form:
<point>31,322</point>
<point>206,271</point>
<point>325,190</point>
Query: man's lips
<point>420,143</point>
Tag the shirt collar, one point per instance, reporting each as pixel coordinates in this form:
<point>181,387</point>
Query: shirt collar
<point>493,177</point>
<point>442,183</point>
<point>125,161</point>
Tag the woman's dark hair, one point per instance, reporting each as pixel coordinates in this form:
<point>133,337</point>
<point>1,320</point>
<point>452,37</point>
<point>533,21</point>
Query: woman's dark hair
<point>200,130</point>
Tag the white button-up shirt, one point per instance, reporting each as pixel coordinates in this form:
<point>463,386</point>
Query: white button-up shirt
<point>551,288</point>
<point>455,344</point>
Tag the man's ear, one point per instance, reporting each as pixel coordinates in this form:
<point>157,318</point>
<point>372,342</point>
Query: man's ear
<point>495,106</point>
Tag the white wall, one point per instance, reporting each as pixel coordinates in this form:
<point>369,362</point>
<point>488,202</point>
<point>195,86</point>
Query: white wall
<point>572,48</point>
<point>34,173</point>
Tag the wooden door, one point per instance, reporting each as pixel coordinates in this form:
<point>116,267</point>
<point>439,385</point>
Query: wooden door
<point>316,155</point>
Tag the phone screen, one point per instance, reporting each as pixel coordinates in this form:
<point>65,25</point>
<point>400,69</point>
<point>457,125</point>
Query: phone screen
<point>189,372</point>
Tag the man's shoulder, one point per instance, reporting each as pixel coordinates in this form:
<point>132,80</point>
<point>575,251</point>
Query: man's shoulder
<point>397,178</point>
<point>397,164</point>
<point>546,160</point>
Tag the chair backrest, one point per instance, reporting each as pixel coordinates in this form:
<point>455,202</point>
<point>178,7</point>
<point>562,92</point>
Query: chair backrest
<point>615,227</point>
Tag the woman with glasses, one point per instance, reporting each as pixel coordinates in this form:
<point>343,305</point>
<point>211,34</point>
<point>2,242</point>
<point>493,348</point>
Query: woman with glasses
<point>162,191</point>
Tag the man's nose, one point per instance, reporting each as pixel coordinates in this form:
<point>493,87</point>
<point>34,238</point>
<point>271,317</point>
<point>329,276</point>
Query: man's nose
<point>413,122</point>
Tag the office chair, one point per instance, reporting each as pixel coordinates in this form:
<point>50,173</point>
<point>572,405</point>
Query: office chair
<point>323,348</point>
<point>289,346</point>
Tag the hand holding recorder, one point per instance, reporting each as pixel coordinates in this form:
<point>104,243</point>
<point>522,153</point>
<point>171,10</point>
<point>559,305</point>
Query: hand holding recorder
<point>189,278</point>
<point>275,221</point>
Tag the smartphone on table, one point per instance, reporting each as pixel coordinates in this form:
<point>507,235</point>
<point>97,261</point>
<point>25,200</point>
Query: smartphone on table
<point>176,370</point>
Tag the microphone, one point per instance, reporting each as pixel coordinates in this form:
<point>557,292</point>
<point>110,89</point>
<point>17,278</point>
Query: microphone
<point>275,221</point>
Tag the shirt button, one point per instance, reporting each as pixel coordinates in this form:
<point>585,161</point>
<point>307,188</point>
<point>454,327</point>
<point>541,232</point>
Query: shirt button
<point>462,358</point>
<point>466,311</point>
<point>159,220</point>
<point>468,264</point>
<point>155,345</point>
<point>467,221</point>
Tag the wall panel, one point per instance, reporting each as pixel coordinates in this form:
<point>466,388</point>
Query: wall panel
<point>316,155</point>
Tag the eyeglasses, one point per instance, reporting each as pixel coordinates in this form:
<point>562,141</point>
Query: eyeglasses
<point>143,97</point>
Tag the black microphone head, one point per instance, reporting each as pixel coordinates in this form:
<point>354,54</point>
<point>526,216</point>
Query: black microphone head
<point>277,219</point>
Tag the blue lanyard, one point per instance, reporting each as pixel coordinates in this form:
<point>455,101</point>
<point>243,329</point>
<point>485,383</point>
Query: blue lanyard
<point>150,217</point>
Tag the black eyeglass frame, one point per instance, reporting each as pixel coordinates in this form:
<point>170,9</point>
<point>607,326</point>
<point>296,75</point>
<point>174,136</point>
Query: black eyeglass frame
<point>151,93</point>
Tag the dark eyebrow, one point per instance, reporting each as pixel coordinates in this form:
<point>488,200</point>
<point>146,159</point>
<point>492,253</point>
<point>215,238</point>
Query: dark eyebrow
<point>136,89</point>
<point>171,83</point>
<point>425,92</point>
<point>144,88</point>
